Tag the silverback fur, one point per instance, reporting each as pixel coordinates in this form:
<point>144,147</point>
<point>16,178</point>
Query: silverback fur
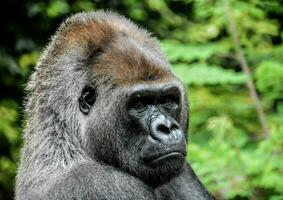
<point>56,162</point>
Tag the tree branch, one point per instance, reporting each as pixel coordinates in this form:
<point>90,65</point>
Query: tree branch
<point>245,68</point>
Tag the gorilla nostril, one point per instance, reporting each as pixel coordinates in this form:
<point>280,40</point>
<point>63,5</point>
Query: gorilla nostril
<point>174,127</point>
<point>163,129</point>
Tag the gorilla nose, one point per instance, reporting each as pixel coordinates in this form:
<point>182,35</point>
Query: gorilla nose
<point>166,127</point>
<point>166,130</point>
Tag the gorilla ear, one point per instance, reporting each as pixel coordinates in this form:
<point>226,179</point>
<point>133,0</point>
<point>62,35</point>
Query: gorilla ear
<point>87,99</point>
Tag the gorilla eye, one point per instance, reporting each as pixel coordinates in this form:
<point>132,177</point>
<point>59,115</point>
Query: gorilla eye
<point>87,99</point>
<point>140,103</point>
<point>170,101</point>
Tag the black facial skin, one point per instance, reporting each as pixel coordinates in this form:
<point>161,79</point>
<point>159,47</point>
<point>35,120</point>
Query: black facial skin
<point>156,111</point>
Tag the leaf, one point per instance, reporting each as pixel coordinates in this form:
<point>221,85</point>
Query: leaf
<point>57,8</point>
<point>269,77</point>
<point>198,74</point>
<point>189,52</point>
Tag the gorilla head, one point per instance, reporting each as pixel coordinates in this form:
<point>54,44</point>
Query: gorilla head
<point>132,105</point>
<point>103,94</point>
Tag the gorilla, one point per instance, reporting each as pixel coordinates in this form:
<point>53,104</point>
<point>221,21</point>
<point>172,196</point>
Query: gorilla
<point>105,118</point>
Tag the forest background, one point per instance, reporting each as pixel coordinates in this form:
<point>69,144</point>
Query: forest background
<point>229,54</point>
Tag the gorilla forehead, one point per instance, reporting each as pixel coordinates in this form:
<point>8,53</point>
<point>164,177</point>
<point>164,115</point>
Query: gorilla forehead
<point>128,61</point>
<point>124,49</point>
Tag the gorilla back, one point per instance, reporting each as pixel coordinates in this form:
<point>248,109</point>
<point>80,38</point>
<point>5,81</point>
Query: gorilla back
<point>105,117</point>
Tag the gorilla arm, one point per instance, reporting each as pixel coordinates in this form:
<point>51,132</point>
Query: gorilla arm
<point>94,180</point>
<point>184,186</point>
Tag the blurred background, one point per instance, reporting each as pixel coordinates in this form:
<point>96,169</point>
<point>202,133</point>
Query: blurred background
<point>216,47</point>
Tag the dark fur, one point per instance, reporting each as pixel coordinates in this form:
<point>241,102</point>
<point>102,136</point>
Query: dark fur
<point>65,152</point>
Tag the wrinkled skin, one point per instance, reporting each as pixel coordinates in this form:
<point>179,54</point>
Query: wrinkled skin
<point>105,118</point>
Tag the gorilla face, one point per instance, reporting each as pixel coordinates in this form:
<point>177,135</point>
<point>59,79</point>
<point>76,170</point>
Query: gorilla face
<point>155,111</point>
<point>136,129</point>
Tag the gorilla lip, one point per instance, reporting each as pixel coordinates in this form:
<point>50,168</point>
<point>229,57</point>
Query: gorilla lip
<point>161,158</point>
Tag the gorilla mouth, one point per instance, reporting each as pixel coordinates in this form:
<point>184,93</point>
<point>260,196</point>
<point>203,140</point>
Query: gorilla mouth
<point>160,159</point>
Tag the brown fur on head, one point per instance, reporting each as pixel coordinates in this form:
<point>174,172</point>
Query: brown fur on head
<point>128,54</point>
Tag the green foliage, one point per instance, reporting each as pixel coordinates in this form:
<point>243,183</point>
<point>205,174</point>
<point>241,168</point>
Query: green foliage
<point>57,8</point>
<point>28,61</point>
<point>202,74</point>
<point>225,145</point>
<point>9,144</point>
<point>193,52</point>
<point>269,78</point>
